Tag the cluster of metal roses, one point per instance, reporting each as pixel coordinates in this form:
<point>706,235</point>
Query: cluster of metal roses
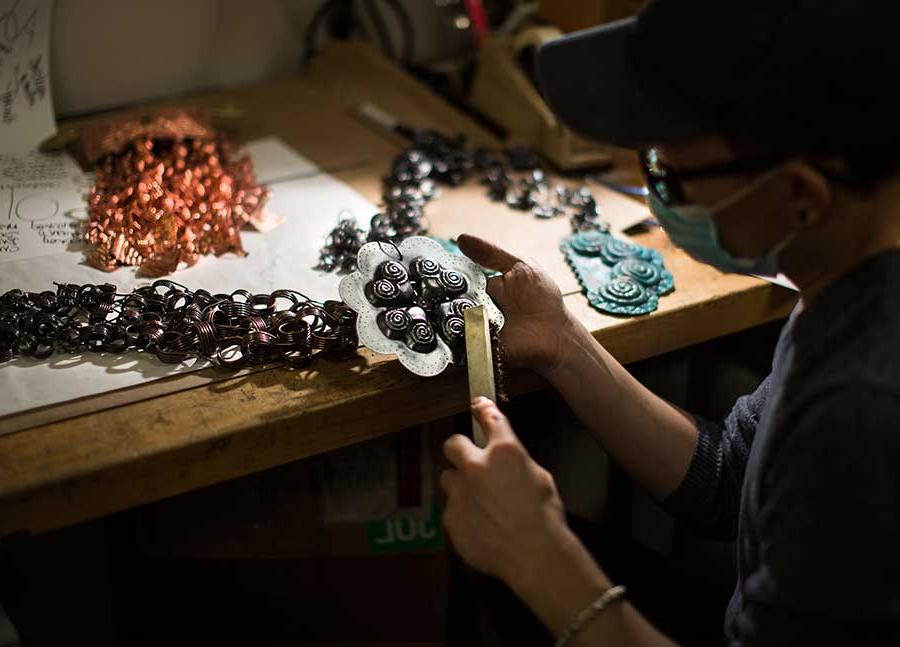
<point>420,303</point>
<point>619,277</point>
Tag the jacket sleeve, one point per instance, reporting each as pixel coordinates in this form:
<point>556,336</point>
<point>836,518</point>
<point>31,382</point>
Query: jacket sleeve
<point>709,498</point>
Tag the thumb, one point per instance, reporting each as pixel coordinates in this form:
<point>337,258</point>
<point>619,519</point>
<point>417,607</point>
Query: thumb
<point>495,425</point>
<point>486,254</point>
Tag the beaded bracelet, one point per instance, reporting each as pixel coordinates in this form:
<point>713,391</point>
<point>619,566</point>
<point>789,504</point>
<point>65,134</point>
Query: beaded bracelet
<point>609,596</point>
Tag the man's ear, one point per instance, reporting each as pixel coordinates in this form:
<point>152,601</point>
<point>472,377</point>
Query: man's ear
<point>809,194</point>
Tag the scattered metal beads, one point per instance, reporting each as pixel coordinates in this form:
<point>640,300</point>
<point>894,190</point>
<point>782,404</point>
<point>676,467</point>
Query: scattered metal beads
<point>433,159</point>
<point>175,324</point>
<point>341,247</point>
<point>532,193</point>
<point>585,215</point>
<point>430,160</point>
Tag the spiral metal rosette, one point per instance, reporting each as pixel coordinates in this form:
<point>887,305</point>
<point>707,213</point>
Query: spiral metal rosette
<point>608,248</point>
<point>423,326</point>
<point>623,295</point>
<point>615,249</point>
<point>618,276</point>
<point>652,276</point>
<point>589,243</point>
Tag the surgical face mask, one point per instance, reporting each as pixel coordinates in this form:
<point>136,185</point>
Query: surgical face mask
<point>692,228</point>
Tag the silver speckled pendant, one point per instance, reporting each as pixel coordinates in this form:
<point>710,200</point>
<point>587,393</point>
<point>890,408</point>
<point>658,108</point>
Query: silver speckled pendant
<point>618,276</point>
<point>410,301</point>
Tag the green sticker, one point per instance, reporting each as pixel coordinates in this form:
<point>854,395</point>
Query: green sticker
<point>405,531</point>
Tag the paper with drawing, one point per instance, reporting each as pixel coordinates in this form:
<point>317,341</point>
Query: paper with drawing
<point>26,108</point>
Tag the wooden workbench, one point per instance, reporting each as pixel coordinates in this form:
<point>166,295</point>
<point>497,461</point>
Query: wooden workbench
<point>115,452</point>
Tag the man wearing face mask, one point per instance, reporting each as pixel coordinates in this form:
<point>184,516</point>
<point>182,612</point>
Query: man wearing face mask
<point>769,144</point>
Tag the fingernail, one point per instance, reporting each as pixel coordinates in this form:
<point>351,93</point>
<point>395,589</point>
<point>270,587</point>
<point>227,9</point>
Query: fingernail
<point>480,401</point>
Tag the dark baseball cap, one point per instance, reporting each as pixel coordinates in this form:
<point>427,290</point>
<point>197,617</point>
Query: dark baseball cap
<point>807,75</point>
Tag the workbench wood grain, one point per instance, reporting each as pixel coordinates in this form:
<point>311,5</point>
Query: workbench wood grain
<point>123,453</point>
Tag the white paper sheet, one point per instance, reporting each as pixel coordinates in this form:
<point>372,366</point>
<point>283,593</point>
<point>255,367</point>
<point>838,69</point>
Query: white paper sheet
<point>26,108</point>
<point>283,258</point>
<point>274,161</point>
<point>42,206</point>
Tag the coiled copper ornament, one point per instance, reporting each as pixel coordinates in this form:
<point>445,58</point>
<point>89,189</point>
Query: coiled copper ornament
<point>167,191</point>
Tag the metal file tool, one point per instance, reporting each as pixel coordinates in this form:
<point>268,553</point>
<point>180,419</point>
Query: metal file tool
<point>480,363</point>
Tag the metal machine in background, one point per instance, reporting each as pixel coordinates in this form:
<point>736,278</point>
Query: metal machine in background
<point>505,93</point>
<point>477,53</point>
<point>416,33</point>
<point>504,88</point>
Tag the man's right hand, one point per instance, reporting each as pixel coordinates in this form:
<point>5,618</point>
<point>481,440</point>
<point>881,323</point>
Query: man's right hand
<point>653,440</point>
<point>537,322</point>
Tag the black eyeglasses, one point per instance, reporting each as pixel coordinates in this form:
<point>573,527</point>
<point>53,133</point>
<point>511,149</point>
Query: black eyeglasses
<point>665,183</point>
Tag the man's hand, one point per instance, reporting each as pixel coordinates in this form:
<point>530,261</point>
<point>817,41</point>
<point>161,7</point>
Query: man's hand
<point>506,519</point>
<point>503,513</point>
<point>537,322</point>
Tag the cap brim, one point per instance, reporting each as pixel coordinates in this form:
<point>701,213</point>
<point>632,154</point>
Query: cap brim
<point>590,82</point>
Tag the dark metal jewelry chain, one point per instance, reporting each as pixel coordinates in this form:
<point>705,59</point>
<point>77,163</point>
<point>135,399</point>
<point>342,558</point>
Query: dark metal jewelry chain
<point>175,324</point>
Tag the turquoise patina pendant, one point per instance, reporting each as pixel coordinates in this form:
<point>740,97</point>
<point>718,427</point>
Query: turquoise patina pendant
<point>618,276</point>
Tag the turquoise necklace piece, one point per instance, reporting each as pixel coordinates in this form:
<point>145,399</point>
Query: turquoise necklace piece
<point>618,276</point>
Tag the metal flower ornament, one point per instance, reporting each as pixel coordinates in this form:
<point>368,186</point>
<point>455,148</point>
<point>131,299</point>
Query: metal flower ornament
<point>618,276</point>
<point>410,300</point>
